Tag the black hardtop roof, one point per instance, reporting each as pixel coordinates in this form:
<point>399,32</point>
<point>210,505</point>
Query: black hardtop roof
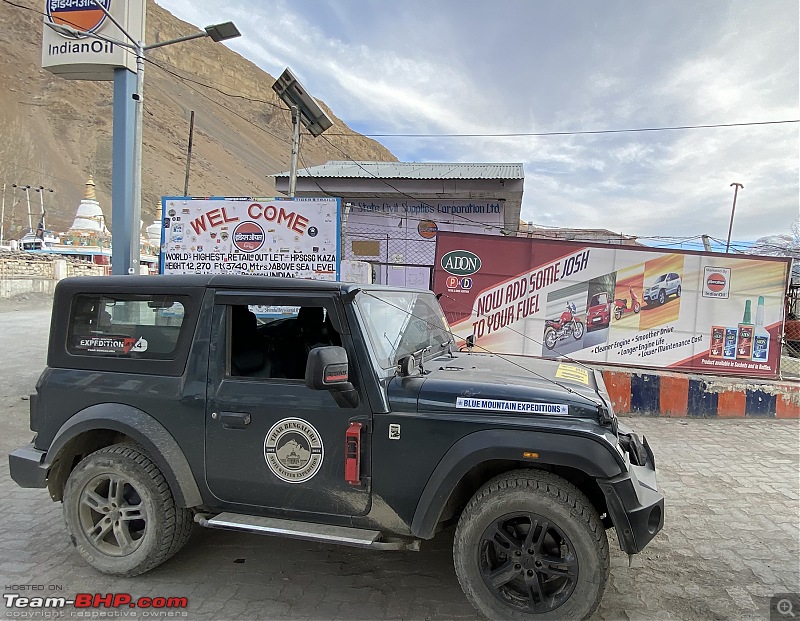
<point>222,281</point>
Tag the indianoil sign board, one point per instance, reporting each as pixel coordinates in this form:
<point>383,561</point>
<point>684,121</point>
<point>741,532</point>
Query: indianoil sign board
<point>295,238</point>
<point>87,57</point>
<point>690,311</point>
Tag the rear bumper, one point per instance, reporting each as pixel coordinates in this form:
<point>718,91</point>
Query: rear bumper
<point>26,467</point>
<point>635,505</point>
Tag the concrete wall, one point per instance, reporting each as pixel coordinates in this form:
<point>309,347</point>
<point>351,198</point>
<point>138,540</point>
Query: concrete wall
<point>22,272</point>
<point>677,394</point>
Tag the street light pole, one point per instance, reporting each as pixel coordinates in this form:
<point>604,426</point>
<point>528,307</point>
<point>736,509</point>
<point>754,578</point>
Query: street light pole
<point>295,150</point>
<point>217,33</point>
<point>735,187</point>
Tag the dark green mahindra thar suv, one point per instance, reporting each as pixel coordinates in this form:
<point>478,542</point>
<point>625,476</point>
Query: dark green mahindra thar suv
<point>335,413</point>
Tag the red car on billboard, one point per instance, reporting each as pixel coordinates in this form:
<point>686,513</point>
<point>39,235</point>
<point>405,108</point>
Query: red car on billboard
<point>598,313</point>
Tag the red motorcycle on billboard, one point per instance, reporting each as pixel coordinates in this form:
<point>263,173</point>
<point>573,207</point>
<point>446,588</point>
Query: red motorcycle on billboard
<point>621,305</point>
<point>567,325</point>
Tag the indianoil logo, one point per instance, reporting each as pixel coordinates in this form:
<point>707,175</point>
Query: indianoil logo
<point>248,236</point>
<point>83,15</point>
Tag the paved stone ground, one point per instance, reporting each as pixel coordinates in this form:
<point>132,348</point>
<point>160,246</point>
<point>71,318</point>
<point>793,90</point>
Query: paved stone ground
<point>730,542</point>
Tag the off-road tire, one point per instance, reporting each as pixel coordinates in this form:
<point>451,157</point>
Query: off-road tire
<point>163,531</point>
<point>554,499</point>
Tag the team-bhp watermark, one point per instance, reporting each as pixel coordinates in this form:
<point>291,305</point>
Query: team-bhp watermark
<point>33,605</point>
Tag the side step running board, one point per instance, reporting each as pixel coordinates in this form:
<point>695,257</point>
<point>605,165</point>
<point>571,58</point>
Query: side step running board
<point>324,533</point>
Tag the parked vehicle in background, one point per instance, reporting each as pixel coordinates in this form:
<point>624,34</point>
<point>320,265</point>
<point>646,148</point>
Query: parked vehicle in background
<point>663,287</point>
<point>622,307</point>
<point>567,325</point>
<point>289,407</point>
<point>598,313</point>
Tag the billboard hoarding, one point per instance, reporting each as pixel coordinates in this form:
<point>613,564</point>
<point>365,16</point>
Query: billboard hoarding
<point>296,238</point>
<point>703,312</point>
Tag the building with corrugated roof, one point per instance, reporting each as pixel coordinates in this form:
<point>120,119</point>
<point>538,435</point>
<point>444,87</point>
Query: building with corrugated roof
<point>391,211</point>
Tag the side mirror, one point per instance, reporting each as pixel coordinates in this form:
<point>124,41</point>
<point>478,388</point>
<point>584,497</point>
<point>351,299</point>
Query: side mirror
<point>327,369</point>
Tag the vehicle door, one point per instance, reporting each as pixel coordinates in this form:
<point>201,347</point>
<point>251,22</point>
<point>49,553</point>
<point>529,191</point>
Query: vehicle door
<point>270,440</point>
<point>672,283</point>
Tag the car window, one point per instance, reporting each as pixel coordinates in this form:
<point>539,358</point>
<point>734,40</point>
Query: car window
<point>126,325</point>
<point>273,341</point>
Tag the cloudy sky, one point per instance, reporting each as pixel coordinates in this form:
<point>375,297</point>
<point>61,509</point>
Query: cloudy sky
<point>524,66</point>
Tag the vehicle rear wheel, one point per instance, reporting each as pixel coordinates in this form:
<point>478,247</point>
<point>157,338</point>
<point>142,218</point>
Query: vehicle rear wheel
<point>617,313</point>
<point>529,545</point>
<point>120,513</point>
<point>550,338</point>
<point>678,292</point>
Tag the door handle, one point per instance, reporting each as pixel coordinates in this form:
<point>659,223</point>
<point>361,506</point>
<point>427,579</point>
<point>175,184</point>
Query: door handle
<point>234,420</point>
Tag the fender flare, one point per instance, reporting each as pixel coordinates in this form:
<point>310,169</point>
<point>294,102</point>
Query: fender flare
<point>159,444</point>
<point>587,453</point>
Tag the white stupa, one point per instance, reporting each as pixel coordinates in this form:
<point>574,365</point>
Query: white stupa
<point>153,233</point>
<point>90,219</point>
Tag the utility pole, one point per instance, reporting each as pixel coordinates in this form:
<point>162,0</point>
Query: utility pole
<point>189,155</point>
<point>706,243</point>
<point>735,187</point>
<point>3,214</point>
<point>295,150</point>
<point>41,189</point>
<point>28,201</point>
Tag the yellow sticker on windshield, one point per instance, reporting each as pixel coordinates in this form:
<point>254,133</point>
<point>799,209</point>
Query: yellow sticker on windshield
<point>573,373</point>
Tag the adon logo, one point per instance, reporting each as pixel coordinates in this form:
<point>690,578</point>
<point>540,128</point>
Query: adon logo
<point>461,262</point>
<point>79,14</point>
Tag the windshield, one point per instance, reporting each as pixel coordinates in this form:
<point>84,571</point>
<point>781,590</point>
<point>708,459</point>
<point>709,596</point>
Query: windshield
<point>660,279</point>
<point>402,322</point>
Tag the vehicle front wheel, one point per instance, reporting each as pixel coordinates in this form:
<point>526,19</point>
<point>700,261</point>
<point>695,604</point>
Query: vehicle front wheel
<point>120,513</point>
<point>662,297</point>
<point>529,545</point>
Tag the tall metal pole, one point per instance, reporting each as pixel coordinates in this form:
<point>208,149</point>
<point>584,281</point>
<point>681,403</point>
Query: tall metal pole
<point>122,170</point>
<point>189,155</point>
<point>136,212</point>
<point>735,187</point>
<point>3,215</point>
<point>295,150</point>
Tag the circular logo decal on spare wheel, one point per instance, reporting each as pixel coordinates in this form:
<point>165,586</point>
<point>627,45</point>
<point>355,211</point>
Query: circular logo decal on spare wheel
<point>461,262</point>
<point>248,236</point>
<point>716,282</point>
<point>293,450</point>
<point>78,14</point>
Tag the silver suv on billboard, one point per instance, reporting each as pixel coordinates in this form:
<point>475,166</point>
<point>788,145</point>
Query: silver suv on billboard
<point>663,287</point>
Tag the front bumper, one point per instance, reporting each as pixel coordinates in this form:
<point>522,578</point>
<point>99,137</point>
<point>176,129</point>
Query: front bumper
<point>635,505</point>
<point>651,296</point>
<point>26,467</point>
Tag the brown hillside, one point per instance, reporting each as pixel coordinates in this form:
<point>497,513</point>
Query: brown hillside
<point>55,132</point>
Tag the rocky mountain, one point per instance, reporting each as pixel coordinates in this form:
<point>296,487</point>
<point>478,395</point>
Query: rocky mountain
<point>55,132</point>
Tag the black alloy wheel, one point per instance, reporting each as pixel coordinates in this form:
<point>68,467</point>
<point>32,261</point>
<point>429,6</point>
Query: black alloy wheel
<point>528,563</point>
